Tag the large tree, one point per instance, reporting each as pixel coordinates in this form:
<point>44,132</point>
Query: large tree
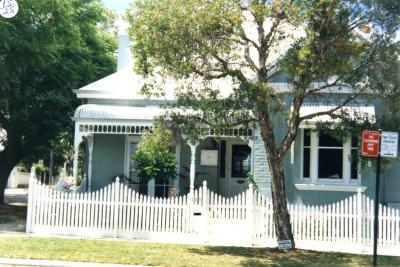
<point>49,48</point>
<point>319,46</point>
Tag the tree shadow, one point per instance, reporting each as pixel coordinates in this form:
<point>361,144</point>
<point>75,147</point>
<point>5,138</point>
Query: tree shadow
<point>257,257</point>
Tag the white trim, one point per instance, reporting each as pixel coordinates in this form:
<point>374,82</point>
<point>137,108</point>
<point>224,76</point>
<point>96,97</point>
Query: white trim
<point>314,148</point>
<point>128,139</point>
<point>330,187</point>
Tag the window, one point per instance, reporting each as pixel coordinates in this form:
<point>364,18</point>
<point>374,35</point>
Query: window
<point>326,159</point>
<point>241,161</point>
<point>130,165</point>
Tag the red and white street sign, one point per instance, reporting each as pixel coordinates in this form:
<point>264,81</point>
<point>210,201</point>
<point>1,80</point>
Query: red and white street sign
<point>370,143</point>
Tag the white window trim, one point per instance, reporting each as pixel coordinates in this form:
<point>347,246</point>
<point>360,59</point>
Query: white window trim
<point>330,187</point>
<point>129,139</point>
<point>314,179</point>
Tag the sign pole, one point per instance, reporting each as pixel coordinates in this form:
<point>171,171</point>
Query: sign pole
<point>377,183</point>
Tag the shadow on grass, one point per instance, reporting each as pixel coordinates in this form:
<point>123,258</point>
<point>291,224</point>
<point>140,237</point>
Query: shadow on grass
<point>256,257</point>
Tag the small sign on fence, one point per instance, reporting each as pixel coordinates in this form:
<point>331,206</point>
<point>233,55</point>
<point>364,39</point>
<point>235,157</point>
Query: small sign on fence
<point>284,244</point>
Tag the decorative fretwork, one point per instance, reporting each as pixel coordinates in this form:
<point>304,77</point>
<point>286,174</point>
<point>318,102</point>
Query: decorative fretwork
<point>113,129</point>
<point>105,128</point>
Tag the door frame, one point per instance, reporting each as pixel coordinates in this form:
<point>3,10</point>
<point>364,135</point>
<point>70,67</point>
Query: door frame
<point>228,162</point>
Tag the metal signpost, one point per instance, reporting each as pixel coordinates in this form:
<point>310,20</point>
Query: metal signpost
<point>370,148</point>
<point>371,142</point>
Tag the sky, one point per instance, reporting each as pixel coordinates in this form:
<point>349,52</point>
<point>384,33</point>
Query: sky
<point>117,5</point>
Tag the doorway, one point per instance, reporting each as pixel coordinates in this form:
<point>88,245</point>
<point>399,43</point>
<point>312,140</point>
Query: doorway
<point>238,165</point>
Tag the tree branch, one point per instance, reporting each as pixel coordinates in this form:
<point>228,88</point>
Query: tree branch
<point>249,59</point>
<point>329,112</point>
<point>294,122</point>
<point>248,40</point>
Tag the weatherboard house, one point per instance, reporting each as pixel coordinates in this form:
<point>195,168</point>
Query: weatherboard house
<point>319,169</point>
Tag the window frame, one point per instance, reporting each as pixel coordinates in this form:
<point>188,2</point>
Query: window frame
<point>314,160</point>
<point>128,140</point>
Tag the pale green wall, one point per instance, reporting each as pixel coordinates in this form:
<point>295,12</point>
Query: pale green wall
<point>209,173</point>
<point>108,159</point>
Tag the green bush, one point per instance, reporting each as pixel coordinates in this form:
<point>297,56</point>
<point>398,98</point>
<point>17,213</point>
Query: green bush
<point>153,156</point>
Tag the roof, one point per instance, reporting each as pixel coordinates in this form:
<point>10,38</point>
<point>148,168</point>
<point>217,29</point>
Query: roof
<point>107,112</point>
<point>124,84</point>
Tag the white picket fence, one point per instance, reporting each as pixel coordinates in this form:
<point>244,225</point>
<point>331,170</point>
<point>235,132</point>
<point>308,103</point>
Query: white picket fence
<point>205,217</point>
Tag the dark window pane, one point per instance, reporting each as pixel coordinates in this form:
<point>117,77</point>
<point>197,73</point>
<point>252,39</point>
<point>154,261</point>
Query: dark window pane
<point>307,137</point>
<point>222,154</point>
<point>330,163</point>
<point>354,164</point>
<point>306,163</point>
<point>329,141</point>
<point>241,157</point>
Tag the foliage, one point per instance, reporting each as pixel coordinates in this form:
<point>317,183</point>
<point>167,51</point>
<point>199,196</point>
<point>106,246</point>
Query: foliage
<point>333,51</point>
<point>153,156</point>
<point>48,49</point>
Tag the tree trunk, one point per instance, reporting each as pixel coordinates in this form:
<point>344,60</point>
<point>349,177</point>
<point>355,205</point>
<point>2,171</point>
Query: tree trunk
<point>283,227</point>
<point>8,160</point>
<point>5,170</point>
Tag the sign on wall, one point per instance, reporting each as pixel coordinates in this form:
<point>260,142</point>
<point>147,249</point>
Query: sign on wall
<point>209,158</point>
<point>370,143</point>
<point>389,144</point>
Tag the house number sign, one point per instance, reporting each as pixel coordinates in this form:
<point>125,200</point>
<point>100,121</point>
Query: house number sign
<point>284,244</point>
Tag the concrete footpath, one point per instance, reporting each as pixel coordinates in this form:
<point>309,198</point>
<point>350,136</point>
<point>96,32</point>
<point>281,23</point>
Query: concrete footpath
<point>50,263</point>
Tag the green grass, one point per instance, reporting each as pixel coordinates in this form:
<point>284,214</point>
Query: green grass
<point>10,213</point>
<point>130,252</point>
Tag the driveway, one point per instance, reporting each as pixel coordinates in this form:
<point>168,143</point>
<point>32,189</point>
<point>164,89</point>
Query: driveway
<point>13,214</point>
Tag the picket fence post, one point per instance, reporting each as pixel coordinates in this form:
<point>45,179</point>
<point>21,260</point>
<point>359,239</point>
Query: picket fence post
<point>359,219</point>
<point>249,213</point>
<point>30,200</point>
<point>115,210</point>
<point>205,211</point>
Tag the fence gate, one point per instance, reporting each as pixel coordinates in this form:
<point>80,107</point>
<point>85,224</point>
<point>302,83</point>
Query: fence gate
<point>230,220</point>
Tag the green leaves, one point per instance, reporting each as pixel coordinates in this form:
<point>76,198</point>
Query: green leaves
<point>180,35</point>
<point>50,48</point>
<point>315,46</point>
<point>153,156</point>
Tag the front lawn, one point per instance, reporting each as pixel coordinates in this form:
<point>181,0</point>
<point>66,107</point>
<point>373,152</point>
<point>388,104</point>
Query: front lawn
<point>130,252</point>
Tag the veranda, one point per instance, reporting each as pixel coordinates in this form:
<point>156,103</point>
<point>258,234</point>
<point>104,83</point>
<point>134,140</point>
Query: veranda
<point>203,217</point>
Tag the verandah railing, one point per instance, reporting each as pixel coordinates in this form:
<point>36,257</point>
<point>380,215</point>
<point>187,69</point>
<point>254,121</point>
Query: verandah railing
<point>205,217</point>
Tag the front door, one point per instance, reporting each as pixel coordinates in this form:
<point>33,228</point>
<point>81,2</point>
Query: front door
<point>238,165</point>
